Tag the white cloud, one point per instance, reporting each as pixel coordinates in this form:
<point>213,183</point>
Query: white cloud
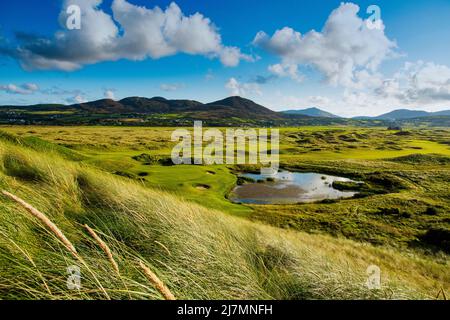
<point>318,101</point>
<point>349,54</point>
<point>109,94</point>
<point>231,56</point>
<point>26,88</point>
<point>344,46</point>
<point>425,82</point>
<point>284,102</point>
<point>76,99</point>
<point>416,84</point>
<point>286,70</point>
<point>419,86</point>
<point>133,32</point>
<point>237,88</point>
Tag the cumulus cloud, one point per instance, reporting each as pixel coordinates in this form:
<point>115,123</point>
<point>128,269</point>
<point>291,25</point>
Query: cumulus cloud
<point>286,70</point>
<point>231,56</point>
<point>132,32</point>
<point>418,85</point>
<point>421,82</point>
<point>26,88</point>
<point>345,45</point>
<point>237,88</point>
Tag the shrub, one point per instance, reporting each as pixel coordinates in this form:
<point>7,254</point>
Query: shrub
<point>431,211</point>
<point>439,237</point>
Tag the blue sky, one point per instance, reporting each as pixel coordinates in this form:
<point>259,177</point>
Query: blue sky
<point>406,64</point>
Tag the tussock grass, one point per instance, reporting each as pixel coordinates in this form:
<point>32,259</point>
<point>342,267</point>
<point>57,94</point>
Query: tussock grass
<point>198,253</point>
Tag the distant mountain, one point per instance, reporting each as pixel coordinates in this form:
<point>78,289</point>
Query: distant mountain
<point>137,105</point>
<point>441,113</point>
<point>232,107</point>
<point>402,114</point>
<point>240,107</point>
<point>311,112</point>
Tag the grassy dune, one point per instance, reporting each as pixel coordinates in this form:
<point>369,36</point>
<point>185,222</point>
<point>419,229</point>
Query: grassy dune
<point>197,252</point>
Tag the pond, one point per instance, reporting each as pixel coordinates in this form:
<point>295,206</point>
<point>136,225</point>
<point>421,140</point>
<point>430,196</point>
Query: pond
<point>289,188</point>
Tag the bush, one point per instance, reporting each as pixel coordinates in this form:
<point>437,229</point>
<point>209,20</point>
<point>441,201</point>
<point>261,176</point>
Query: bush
<point>439,237</point>
<point>389,211</point>
<point>347,186</point>
<point>243,180</point>
<point>431,211</point>
<point>149,160</point>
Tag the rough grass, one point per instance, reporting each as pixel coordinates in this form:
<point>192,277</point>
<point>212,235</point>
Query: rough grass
<point>196,252</point>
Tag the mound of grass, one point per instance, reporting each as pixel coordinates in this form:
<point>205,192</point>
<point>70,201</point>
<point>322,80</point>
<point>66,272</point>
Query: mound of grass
<point>39,144</point>
<point>17,165</point>
<point>421,159</point>
<point>9,137</point>
<point>383,182</point>
<point>348,186</point>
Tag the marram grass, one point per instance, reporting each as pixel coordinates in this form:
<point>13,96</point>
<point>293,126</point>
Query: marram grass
<point>43,218</point>
<point>199,253</point>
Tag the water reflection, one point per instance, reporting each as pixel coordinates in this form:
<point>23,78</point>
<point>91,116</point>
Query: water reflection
<point>289,187</point>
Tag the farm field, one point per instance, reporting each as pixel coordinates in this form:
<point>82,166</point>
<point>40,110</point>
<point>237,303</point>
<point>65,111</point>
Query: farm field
<point>119,180</point>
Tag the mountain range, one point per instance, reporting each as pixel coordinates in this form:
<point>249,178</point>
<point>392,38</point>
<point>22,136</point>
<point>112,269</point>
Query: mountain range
<point>402,114</point>
<point>230,110</point>
<point>222,109</point>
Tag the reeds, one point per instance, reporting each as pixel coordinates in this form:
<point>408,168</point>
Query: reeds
<point>43,218</point>
<point>104,247</point>
<point>156,282</point>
